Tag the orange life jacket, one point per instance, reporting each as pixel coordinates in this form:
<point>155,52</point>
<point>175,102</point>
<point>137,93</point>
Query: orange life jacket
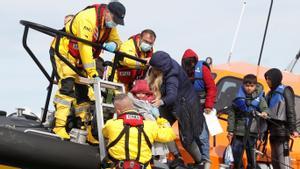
<point>128,75</point>
<point>73,44</point>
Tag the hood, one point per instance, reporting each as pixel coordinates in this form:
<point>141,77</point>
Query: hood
<point>189,53</point>
<point>275,76</point>
<point>141,86</point>
<point>162,61</point>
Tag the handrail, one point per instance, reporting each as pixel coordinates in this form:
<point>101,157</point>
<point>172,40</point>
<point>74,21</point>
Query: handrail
<point>58,35</point>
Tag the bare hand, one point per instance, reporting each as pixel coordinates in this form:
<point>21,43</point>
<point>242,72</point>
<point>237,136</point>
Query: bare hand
<point>295,134</point>
<point>147,59</point>
<point>263,115</point>
<point>207,110</point>
<point>156,102</point>
<point>229,137</point>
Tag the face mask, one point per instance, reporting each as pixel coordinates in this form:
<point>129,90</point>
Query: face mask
<point>110,24</point>
<point>145,47</point>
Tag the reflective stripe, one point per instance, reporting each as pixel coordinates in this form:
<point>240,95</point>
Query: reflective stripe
<point>89,65</point>
<point>62,101</point>
<point>82,109</point>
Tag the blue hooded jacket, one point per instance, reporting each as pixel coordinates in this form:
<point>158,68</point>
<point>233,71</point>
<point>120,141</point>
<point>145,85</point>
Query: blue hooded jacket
<point>179,96</point>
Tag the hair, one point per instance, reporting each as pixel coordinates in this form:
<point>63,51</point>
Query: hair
<point>122,102</point>
<point>151,32</point>
<point>250,79</point>
<point>155,79</point>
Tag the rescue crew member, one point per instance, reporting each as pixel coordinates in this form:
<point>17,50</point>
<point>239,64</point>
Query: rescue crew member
<point>130,137</point>
<point>199,73</point>
<point>282,123</point>
<point>140,46</point>
<point>96,23</point>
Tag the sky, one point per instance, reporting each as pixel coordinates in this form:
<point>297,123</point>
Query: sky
<point>206,26</point>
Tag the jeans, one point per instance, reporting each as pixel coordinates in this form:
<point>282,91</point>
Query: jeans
<point>203,142</point>
<point>238,151</point>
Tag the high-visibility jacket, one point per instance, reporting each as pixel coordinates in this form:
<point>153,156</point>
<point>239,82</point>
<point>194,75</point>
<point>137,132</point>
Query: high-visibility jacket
<point>130,70</point>
<point>85,26</point>
<point>155,130</point>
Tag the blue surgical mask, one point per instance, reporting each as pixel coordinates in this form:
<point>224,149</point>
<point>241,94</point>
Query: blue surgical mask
<point>145,47</point>
<point>110,24</point>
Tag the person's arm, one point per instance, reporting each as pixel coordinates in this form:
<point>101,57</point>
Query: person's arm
<point>85,31</point>
<point>128,47</point>
<point>114,37</point>
<point>289,97</point>
<point>163,131</point>
<point>106,129</point>
<point>171,90</point>
<point>210,87</point>
<point>231,124</point>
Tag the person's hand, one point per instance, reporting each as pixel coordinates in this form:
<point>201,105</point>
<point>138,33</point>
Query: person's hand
<point>207,110</point>
<point>147,59</point>
<point>229,137</point>
<point>157,102</point>
<point>295,134</point>
<point>110,46</point>
<point>263,115</point>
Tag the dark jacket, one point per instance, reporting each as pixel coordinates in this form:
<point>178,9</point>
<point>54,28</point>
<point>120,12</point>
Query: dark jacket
<point>236,118</point>
<point>283,128</point>
<point>210,86</point>
<point>179,97</point>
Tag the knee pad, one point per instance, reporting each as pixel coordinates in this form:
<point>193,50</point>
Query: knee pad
<point>67,87</point>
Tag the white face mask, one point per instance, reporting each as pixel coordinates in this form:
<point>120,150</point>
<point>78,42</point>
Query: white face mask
<point>110,24</point>
<point>145,47</point>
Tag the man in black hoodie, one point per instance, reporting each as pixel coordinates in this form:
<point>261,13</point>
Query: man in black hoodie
<point>282,123</point>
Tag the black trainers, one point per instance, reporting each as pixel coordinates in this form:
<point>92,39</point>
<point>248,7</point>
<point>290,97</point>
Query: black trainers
<point>177,163</point>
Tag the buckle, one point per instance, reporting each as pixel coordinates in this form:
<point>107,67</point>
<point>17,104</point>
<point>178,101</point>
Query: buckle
<point>120,164</point>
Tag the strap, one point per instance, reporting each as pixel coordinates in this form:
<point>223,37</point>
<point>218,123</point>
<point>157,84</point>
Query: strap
<point>147,139</point>
<point>113,143</point>
<point>139,143</point>
<point>127,156</point>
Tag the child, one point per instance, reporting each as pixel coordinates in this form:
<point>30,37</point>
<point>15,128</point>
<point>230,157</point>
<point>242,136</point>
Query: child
<point>142,98</point>
<point>241,122</point>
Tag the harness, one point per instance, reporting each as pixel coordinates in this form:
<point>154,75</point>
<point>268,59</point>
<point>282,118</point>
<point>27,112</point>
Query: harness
<point>128,75</point>
<point>131,119</point>
<point>73,44</point>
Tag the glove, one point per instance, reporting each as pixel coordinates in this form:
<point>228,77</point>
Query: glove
<point>97,78</point>
<point>155,112</point>
<point>110,46</point>
<point>162,122</point>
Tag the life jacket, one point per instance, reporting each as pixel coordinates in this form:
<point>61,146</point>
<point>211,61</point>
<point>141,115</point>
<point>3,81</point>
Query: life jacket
<point>73,44</point>
<point>277,103</point>
<point>131,119</point>
<point>198,81</point>
<point>240,102</point>
<point>246,112</point>
<point>128,75</point>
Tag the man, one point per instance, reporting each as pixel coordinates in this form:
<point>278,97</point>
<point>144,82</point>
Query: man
<point>243,128</point>
<point>200,75</point>
<point>179,101</point>
<point>140,46</point>
<point>130,137</point>
<point>282,123</point>
<point>97,24</point>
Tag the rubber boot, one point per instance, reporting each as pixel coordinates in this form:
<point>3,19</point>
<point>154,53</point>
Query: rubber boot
<point>61,114</point>
<point>90,138</point>
<point>60,129</point>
